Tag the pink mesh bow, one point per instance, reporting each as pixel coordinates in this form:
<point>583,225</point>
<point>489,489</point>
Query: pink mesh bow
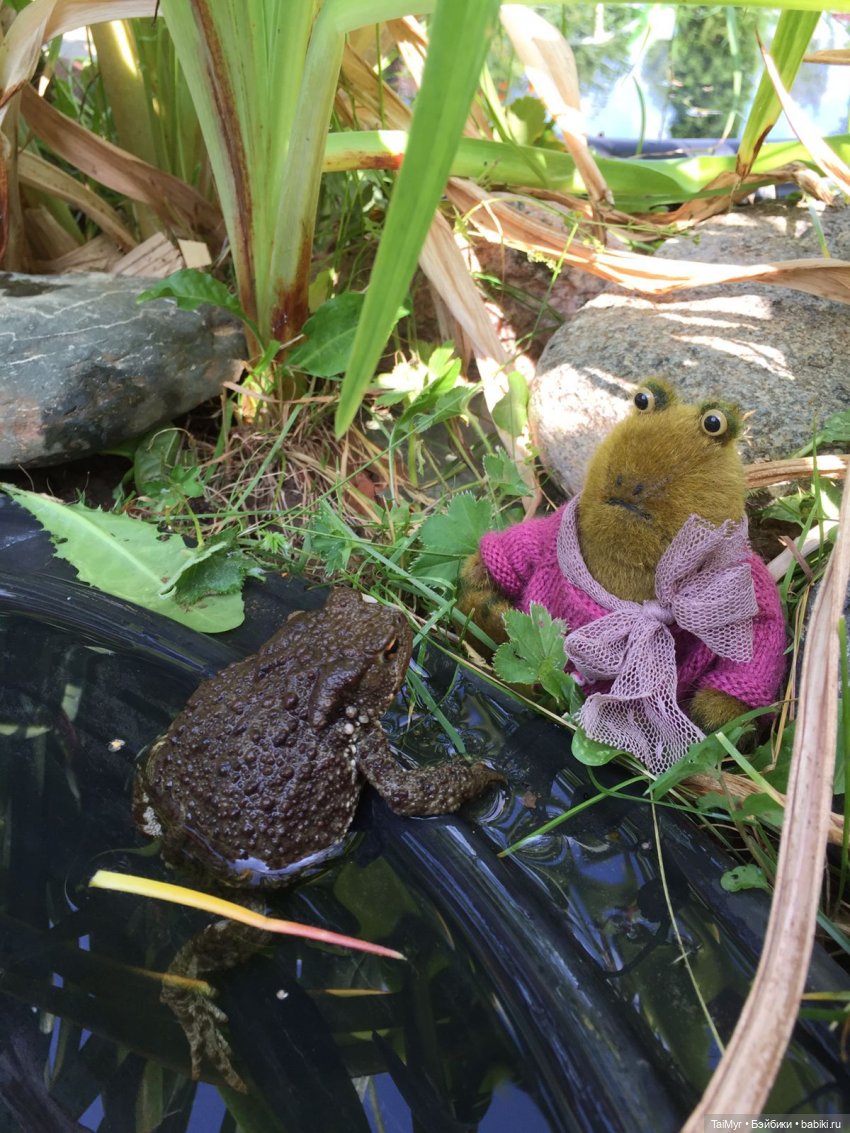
<point>704,584</point>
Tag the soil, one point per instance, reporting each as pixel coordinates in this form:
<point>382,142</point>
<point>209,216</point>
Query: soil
<point>93,478</point>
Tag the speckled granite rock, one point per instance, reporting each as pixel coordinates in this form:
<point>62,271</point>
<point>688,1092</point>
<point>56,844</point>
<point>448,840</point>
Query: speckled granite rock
<point>85,366</point>
<point>778,352</point>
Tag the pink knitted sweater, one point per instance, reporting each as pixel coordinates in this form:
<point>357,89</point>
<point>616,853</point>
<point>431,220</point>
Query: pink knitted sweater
<point>523,562</point>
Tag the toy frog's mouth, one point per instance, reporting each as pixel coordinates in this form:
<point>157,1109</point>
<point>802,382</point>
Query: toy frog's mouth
<point>617,501</point>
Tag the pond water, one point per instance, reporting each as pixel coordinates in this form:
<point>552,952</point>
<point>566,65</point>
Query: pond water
<point>663,71</point>
<point>545,991</point>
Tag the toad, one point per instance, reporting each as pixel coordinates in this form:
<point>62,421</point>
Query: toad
<point>259,777</point>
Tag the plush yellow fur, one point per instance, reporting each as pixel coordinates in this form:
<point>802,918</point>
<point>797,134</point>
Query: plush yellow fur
<point>666,466</point>
<point>649,474</point>
<point>711,709</point>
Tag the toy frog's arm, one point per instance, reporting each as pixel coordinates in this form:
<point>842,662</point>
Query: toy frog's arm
<point>494,579</point>
<point>731,687</point>
<point>480,599</point>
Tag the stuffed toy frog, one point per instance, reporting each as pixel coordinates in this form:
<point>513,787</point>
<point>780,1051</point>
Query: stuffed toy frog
<point>674,626</point>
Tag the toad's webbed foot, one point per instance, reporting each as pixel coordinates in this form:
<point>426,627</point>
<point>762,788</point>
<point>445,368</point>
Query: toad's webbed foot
<point>220,946</point>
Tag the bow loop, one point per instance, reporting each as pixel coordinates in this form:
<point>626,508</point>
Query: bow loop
<point>719,610</point>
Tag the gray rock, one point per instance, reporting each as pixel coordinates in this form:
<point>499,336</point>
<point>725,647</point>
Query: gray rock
<point>85,366</point>
<point>780,353</point>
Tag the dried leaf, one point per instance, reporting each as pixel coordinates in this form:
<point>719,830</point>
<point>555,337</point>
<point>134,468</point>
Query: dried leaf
<point>550,65</point>
<point>734,190</point>
<point>842,58</point>
<point>176,202</point>
<point>378,106</point>
<point>411,39</point>
<point>741,787</point>
<point>766,472</point>
<point>443,264</point>
<point>40,21</point>
<point>97,254</point>
<point>806,131</point>
<point>494,216</point>
<point>798,553</point>
<point>46,237</point>
<point>40,174</point>
<point>701,208</point>
<point>68,15</point>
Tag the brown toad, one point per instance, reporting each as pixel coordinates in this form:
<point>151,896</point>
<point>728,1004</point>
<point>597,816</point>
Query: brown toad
<point>260,775</point>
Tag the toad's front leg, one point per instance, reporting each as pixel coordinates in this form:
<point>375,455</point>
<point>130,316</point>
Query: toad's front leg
<point>438,789</point>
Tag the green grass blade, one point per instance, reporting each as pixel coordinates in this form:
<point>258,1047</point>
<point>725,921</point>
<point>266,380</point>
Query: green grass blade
<point>459,38</point>
<point>199,42</point>
<point>283,277</point>
<point>793,35</point>
<point>175,129</point>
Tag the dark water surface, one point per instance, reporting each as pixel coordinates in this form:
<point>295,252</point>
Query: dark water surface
<point>545,991</point>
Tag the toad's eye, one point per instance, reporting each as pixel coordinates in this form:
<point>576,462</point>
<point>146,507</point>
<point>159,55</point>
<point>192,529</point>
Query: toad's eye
<point>714,423</point>
<point>391,648</point>
<point>644,400</point>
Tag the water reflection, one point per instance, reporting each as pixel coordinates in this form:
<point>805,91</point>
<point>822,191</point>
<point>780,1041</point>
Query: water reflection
<point>600,871</point>
<point>667,71</point>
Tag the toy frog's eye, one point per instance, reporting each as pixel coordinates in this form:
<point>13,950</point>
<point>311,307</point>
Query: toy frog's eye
<point>391,648</point>
<point>714,423</point>
<point>644,400</point>
<point>653,395</point>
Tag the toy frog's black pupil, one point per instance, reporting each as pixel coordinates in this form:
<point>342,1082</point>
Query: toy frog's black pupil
<point>711,423</point>
<point>642,400</point>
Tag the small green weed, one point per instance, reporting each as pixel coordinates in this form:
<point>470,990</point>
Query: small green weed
<point>534,655</point>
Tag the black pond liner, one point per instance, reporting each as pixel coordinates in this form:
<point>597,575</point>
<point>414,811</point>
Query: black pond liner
<point>664,147</point>
<point>544,991</point>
